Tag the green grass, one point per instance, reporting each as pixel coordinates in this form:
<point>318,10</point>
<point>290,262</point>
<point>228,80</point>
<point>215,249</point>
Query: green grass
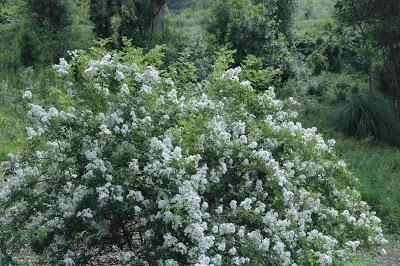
<point>313,17</point>
<point>365,258</point>
<point>11,127</point>
<point>377,167</point>
<point>188,22</point>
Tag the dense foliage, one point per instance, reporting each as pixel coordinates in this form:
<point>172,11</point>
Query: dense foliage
<point>236,22</point>
<point>208,172</point>
<point>187,150</point>
<point>38,32</point>
<point>134,19</point>
<point>377,22</point>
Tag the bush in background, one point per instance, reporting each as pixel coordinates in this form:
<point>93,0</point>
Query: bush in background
<point>367,115</point>
<point>317,62</point>
<point>236,22</point>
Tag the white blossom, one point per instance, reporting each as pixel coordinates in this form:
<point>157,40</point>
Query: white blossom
<point>68,260</point>
<point>62,68</point>
<point>27,95</point>
<point>124,89</point>
<point>193,170</point>
<point>86,214</point>
<point>232,251</point>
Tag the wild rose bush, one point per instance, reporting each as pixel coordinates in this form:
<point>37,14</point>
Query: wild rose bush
<point>207,173</point>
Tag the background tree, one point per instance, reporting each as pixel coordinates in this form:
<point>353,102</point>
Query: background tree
<point>282,11</point>
<point>60,25</point>
<point>137,19</point>
<point>252,27</point>
<point>134,19</point>
<point>377,22</point>
<point>50,21</point>
<point>101,12</point>
<point>9,53</point>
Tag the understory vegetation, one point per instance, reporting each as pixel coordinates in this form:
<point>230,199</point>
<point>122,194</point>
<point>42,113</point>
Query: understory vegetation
<point>229,132</point>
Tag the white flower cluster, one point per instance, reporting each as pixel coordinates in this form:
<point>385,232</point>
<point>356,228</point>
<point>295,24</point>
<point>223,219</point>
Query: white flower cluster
<point>109,68</point>
<point>27,95</point>
<point>62,68</point>
<point>176,178</point>
<point>233,74</point>
<point>149,76</point>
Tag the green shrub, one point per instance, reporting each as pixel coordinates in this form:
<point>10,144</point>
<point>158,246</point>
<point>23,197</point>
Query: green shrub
<point>317,62</point>
<point>339,87</point>
<point>333,52</point>
<point>331,88</point>
<point>252,27</point>
<point>184,31</point>
<point>342,88</point>
<point>318,86</point>
<point>367,115</point>
<point>212,172</point>
<point>28,43</point>
<point>261,78</point>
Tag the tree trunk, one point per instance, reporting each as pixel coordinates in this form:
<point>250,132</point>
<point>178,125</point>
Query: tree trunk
<point>395,87</point>
<point>370,78</point>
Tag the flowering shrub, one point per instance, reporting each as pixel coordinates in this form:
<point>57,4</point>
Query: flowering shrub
<point>208,173</point>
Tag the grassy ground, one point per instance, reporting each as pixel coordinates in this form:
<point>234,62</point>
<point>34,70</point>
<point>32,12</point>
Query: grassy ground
<point>376,165</point>
<point>312,18</point>
<point>378,169</point>
<point>391,258</point>
<point>11,131</point>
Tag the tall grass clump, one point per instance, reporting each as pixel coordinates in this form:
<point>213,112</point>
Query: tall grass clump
<point>367,115</point>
